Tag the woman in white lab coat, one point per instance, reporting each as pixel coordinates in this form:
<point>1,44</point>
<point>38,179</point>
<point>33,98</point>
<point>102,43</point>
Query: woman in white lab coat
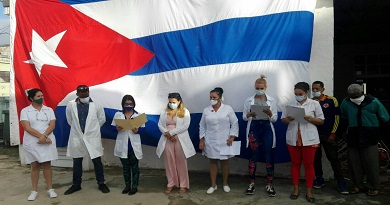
<point>219,125</point>
<point>128,145</point>
<point>39,142</point>
<point>175,143</point>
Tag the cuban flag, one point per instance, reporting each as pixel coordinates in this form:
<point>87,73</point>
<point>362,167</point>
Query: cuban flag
<point>149,48</point>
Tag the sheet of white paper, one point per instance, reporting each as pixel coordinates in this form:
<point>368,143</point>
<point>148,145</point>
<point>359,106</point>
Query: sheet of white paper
<point>258,109</point>
<point>231,150</point>
<point>297,113</point>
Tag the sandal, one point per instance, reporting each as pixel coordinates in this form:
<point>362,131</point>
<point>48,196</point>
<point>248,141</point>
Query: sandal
<point>168,190</point>
<point>310,199</point>
<point>182,190</point>
<point>372,192</point>
<point>293,196</point>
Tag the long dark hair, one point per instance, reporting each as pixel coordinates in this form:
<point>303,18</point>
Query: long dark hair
<point>126,98</point>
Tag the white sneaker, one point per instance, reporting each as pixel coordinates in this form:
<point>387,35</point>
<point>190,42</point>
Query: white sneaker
<point>33,196</point>
<point>226,189</point>
<point>211,189</point>
<point>51,193</point>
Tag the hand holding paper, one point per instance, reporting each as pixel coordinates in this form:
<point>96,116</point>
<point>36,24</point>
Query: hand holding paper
<point>297,113</point>
<point>260,111</point>
<point>130,124</point>
<point>234,149</point>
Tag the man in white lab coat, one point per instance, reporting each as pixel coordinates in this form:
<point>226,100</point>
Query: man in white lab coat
<point>85,118</point>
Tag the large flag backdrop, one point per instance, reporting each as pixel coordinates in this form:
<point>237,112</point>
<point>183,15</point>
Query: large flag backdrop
<point>149,48</point>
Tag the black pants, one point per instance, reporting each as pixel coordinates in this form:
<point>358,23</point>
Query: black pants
<point>130,170</point>
<point>331,151</point>
<point>78,170</point>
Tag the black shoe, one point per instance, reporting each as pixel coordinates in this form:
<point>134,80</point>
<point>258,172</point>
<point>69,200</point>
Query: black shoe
<point>271,191</point>
<point>126,190</point>
<point>72,189</point>
<point>251,189</point>
<point>104,188</point>
<point>310,199</point>
<point>133,191</point>
<point>319,182</point>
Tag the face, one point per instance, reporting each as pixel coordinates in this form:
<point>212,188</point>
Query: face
<point>173,100</point>
<point>214,96</point>
<point>299,92</point>
<point>83,94</point>
<point>38,95</point>
<point>317,88</point>
<point>129,103</point>
<point>354,96</point>
<point>260,86</point>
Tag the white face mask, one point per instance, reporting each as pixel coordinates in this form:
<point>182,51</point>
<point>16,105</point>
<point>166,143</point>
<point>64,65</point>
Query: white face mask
<point>358,100</point>
<point>260,92</point>
<point>213,102</point>
<point>173,105</point>
<point>316,94</point>
<point>84,100</point>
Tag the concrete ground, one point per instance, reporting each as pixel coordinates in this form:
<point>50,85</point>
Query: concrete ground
<point>15,186</point>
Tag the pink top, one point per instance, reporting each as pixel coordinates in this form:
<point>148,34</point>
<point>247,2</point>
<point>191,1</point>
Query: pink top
<point>171,123</point>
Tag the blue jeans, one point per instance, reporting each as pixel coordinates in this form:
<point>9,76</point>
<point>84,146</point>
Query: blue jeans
<point>260,143</point>
<point>78,170</point>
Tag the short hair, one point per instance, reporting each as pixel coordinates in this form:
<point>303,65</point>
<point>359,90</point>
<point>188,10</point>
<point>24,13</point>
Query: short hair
<point>319,82</point>
<point>32,92</point>
<point>355,89</point>
<point>217,90</point>
<point>82,88</point>
<point>126,98</point>
<point>302,86</point>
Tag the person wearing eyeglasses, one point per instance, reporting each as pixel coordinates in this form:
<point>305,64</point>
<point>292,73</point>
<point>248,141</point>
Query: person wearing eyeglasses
<point>128,145</point>
<point>218,125</point>
<point>175,144</point>
<point>85,118</point>
<point>39,142</point>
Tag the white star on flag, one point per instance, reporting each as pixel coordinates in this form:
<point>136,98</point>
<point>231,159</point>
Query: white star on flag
<point>43,52</point>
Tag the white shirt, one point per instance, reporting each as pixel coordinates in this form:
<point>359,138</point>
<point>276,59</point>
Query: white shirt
<point>216,128</point>
<point>121,142</point>
<point>309,131</point>
<point>39,120</point>
<point>247,106</point>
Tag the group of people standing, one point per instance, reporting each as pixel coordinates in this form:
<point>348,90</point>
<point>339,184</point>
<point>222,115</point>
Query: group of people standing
<point>218,125</point>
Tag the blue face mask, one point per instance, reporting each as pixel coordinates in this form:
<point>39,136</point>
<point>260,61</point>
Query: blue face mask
<point>260,92</point>
<point>173,105</point>
<point>128,107</point>
<point>316,94</point>
<point>300,98</point>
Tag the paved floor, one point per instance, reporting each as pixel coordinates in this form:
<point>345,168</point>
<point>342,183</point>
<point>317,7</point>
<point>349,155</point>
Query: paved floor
<point>15,186</point>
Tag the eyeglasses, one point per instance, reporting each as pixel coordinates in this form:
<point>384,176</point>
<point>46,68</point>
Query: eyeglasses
<point>83,88</point>
<point>41,117</point>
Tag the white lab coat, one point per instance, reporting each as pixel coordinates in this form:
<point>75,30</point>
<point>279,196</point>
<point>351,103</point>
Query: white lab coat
<point>247,106</point>
<point>216,128</point>
<point>81,144</point>
<point>181,131</point>
<point>123,137</point>
<point>309,131</point>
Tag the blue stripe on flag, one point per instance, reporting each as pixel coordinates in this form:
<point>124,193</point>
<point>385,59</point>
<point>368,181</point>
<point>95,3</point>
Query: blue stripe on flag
<point>232,41</point>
